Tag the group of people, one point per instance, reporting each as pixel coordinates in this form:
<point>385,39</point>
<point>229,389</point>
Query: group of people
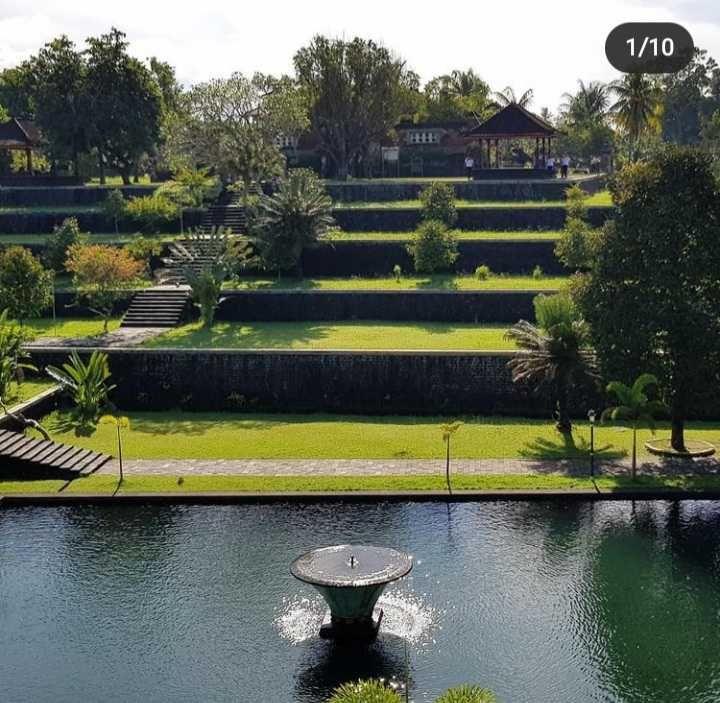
<point>551,165</point>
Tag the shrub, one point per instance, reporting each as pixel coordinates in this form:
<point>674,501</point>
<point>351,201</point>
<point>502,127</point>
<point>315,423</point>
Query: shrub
<point>101,274</point>
<point>434,247</point>
<point>438,203</point>
<point>143,249</point>
<point>397,272</point>
<point>482,273</point>
<point>576,245</point>
<point>58,243</point>
<point>87,383</point>
<point>25,286</point>
<point>283,224</point>
<point>152,213</point>
<point>114,206</point>
<point>537,273</point>
<point>190,188</point>
<point>13,360</point>
<point>467,694</point>
<point>364,692</point>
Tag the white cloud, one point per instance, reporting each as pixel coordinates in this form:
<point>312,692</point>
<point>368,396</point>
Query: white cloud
<point>524,43</point>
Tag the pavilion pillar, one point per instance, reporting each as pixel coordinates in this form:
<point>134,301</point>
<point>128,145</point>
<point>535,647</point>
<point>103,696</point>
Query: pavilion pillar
<point>537,151</point>
<point>489,163</point>
<point>28,158</point>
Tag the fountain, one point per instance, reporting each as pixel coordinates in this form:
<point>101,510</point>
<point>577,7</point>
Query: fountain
<point>351,578</point>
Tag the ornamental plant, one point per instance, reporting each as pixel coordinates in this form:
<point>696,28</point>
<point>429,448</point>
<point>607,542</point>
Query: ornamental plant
<point>25,286</point>
<point>152,213</point>
<point>62,238</point>
<point>114,207</point>
<point>438,203</point>
<point>101,275</point>
<point>13,360</point>
<point>434,247</point>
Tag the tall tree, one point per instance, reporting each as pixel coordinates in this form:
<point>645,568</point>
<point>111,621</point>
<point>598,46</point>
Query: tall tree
<point>507,96</point>
<point>15,93</point>
<point>637,107</point>
<point>58,86</point>
<point>457,95</point>
<point>124,103</point>
<point>357,90</point>
<point>588,105</point>
<point>230,125</point>
<point>652,298</point>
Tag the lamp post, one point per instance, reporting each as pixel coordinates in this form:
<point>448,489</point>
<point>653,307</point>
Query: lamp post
<point>591,417</point>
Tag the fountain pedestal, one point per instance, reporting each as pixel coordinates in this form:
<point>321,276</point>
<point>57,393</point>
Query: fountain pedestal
<point>351,579</point>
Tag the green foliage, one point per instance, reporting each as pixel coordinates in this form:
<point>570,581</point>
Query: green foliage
<point>554,353</point>
<point>634,406</point>
<point>458,95</point>
<point>152,213</point>
<point>25,286</point>
<point>576,246</point>
<point>438,203</point>
<point>86,382</point>
<point>467,694</point>
<point>13,360</point>
<point>114,206</point>
<point>58,243</point>
<point>357,91</point>
<point>397,273</point>
<point>652,296</point>
<point>482,272</point>
<point>296,216</point>
<point>637,107</point>
<point>537,273</point>
<point>190,187</point>
<point>434,247</point>
<point>143,249</point>
<point>370,691</point>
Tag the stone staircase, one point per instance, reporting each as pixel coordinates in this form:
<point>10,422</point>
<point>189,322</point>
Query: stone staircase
<point>157,307</point>
<point>230,217</point>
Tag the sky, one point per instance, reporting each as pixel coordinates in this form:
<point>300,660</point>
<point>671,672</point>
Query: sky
<point>525,44</point>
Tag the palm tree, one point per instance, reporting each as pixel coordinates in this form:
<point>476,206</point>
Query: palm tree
<point>590,103</point>
<point>554,353</point>
<point>637,106</point>
<point>507,97</point>
<point>120,423</point>
<point>635,407</point>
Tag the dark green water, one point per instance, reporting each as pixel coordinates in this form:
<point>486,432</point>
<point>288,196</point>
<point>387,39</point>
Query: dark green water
<point>542,602</point>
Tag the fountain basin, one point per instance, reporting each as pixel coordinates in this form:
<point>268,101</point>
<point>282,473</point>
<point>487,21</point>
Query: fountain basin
<point>351,579</point>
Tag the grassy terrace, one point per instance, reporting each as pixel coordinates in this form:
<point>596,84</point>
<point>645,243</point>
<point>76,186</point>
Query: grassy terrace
<point>601,199</point>
<point>68,327</point>
<point>95,238</point>
<point>462,235</point>
<point>26,390</point>
<point>336,335</point>
<point>495,282</point>
<point>178,435</point>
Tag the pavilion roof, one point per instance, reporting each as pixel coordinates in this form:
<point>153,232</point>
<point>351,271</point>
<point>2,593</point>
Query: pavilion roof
<point>19,134</point>
<point>513,121</point>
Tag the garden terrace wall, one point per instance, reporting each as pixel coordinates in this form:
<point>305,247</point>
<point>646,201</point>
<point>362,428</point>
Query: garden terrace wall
<point>469,218</point>
<point>65,196</point>
<point>377,257</point>
<point>89,221</point>
<point>310,381</point>
<point>420,306</point>
<point>467,190</point>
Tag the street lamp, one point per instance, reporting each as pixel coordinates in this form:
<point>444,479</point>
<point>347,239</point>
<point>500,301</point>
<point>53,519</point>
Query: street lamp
<point>591,416</point>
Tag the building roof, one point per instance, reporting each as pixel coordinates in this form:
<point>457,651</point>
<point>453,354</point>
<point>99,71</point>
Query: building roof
<point>19,134</point>
<point>445,124</point>
<point>513,121</point>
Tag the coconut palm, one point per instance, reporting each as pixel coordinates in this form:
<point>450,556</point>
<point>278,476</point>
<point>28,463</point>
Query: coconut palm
<point>554,353</point>
<point>637,106</point>
<point>507,97</point>
<point>634,407</point>
<point>590,103</point>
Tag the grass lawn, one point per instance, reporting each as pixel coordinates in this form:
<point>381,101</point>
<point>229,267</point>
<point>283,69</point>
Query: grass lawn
<point>574,177</point>
<point>29,388</point>
<point>178,435</point>
<point>336,335</point>
<point>95,238</point>
<point>60,209</point>
<point>462,235</point>
<point>495,282</point>
<point>108,485</point>
<point>600,199</point>
<point>68,327</point>
<point>116,181</point>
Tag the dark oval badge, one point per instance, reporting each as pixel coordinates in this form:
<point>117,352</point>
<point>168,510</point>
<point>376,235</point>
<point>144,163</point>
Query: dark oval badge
<point>649,47</point>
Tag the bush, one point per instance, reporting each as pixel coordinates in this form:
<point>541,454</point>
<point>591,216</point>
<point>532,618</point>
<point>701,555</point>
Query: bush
<point>482,273</point>
<point>25,286</point>
<point>114,206</point>
<point>143,249</point>
<point>62,238</point>
<point>365,692</point>
<point>576,246</point>
<point>438,203</point>
<point>152,213</point>
<point>467,694</point>
<point>13,360</point>
<point>397,272</point>
<point>537,273</point>
<point>434,247</point>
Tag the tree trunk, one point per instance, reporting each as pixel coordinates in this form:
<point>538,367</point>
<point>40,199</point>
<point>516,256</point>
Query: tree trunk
<point>125,175</point>
<point>101,166</point>
<point>564,424</point>
<point>634,454</point>
<point>447,466</point>
<point>677,437</point>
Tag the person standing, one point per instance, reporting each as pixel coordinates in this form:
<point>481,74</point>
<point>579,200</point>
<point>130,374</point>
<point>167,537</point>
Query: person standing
<point>469,166</point>
<point>550,165</point>
<point>564,166</point>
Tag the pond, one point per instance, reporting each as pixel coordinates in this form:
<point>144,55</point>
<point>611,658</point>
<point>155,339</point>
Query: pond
<point>558,602</point>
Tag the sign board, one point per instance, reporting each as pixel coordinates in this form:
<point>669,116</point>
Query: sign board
<point>391,153</point>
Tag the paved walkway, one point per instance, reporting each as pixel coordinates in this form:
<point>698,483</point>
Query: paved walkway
<point>399,467</point>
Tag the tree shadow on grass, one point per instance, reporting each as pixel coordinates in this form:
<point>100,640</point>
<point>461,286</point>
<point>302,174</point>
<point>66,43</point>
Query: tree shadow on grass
<point>197,424</point>
<point>67,423</point>
<point>567,447</point>
<point>288,284</point>
<point>438,283</point>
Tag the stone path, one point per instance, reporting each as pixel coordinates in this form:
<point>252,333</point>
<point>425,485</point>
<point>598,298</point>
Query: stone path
<point>399,467</point>
<point>121,337</point>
